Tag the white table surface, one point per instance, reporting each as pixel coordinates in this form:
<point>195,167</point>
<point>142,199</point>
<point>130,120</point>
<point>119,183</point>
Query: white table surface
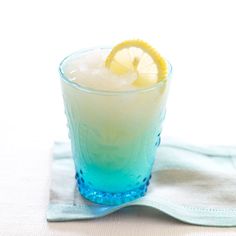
<point>197,37</point>
<point>24,183</point>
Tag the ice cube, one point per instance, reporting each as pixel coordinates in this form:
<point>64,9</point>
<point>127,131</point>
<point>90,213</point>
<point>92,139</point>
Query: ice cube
<point>89,70</point>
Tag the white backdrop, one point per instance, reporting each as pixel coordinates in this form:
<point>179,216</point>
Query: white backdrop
<point>197,37</point>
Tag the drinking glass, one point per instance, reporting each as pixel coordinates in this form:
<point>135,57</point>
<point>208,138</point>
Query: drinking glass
<point>114,136</point>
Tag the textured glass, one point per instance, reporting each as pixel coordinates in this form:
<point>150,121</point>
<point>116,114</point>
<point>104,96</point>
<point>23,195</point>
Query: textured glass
<point>114,136</point>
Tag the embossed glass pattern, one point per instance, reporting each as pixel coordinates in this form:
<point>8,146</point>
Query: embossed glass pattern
<point>114,137</point>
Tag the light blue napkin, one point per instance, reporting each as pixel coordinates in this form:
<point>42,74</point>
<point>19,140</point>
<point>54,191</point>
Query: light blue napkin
<point>196,185</point>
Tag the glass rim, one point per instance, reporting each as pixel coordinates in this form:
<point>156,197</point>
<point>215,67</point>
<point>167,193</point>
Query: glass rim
<point>106,92</point>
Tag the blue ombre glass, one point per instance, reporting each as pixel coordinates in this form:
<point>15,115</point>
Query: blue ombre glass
<point>114,136</point>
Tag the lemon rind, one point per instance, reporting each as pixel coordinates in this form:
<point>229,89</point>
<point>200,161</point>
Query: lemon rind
<point>157,58</point>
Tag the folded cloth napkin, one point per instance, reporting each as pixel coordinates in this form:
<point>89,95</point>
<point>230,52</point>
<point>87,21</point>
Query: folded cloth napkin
<point>196,185</point>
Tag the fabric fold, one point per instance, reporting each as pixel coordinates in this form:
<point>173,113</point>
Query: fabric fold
<point>193,184</point>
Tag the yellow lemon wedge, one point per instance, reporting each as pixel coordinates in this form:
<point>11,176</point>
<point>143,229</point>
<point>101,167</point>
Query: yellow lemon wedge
<point>137,56</point>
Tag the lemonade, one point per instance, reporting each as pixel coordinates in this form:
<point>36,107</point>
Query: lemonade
<point>114,119</point>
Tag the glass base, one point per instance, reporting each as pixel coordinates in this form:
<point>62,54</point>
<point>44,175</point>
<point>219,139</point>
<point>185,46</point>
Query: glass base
<point>111,199</point>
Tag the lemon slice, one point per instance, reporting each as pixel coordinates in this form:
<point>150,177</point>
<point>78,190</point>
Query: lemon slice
<point>136,56</point>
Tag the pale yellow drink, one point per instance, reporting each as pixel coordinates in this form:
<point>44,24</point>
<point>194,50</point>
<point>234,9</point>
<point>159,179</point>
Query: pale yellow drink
<point>114,127</point>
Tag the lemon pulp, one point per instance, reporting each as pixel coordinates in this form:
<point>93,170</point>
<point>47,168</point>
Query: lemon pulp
<point>139,57</point>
